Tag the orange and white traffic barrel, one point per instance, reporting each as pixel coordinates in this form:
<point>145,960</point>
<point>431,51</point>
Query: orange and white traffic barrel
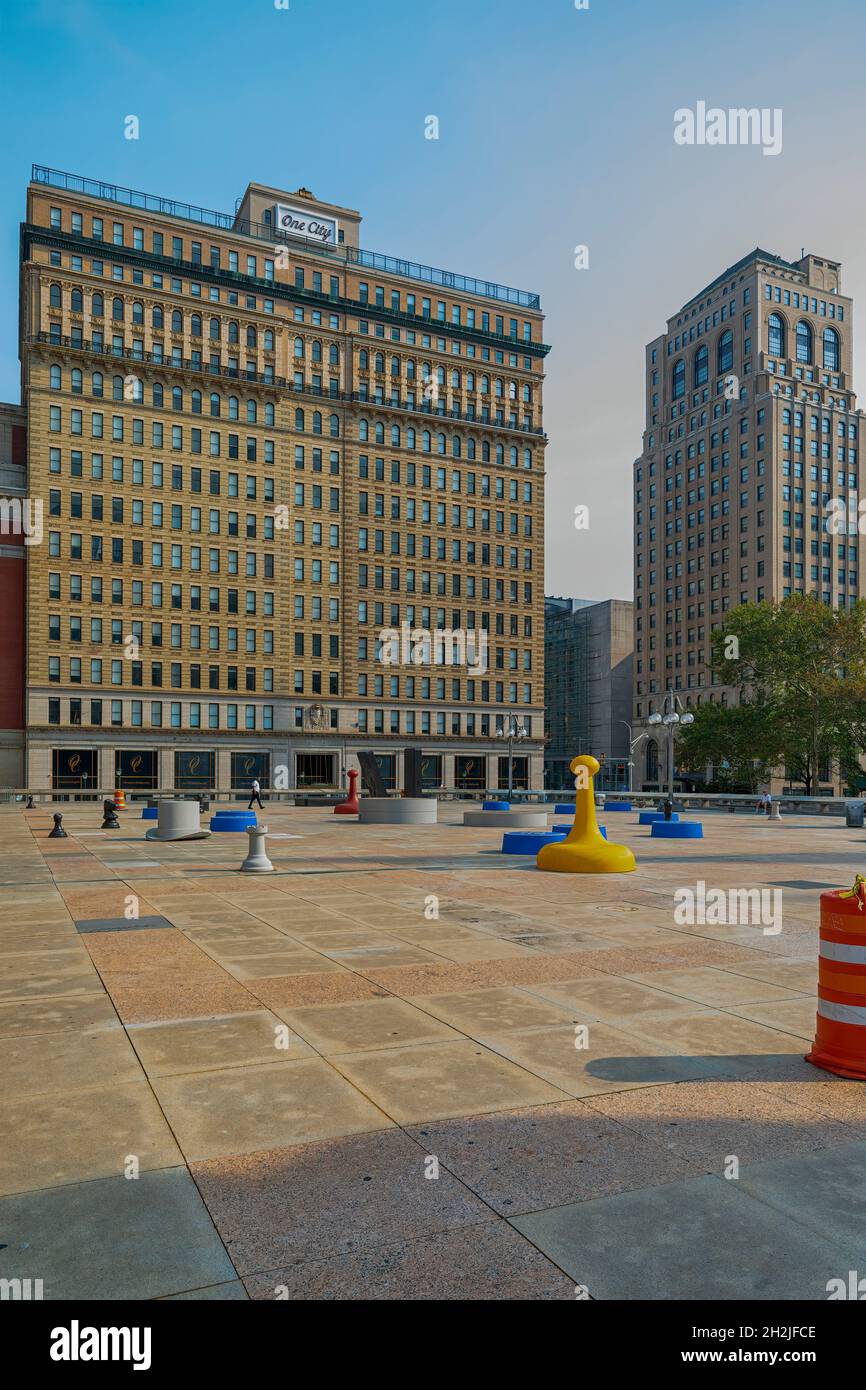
<point>840,1035</point>
<point>120,799</point>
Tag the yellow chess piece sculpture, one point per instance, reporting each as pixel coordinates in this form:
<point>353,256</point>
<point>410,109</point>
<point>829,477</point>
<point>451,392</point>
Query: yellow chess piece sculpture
<point>585,850</point>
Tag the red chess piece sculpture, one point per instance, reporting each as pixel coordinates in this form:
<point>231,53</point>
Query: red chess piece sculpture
<point>349,807</point>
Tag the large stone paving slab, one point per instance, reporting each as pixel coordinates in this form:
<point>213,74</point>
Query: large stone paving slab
<point>704,1239</point>
<point>117,1238</point>
<point>314,1200</point>
<point>486,1263</point>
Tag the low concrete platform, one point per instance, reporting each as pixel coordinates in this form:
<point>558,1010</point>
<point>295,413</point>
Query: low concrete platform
<point>398,810</point>
<point>506,820</point>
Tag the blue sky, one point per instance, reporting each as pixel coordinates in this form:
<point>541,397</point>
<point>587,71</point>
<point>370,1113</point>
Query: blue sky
<point>555,130</point>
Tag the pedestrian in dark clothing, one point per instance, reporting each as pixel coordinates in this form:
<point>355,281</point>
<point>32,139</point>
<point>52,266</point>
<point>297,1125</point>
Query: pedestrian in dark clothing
<point>255,795</point>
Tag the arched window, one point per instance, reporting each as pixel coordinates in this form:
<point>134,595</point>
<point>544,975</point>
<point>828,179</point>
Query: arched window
<point>334,426</point>
<point>269,340</point>
<point>137,311</point>
<point>196,403</point>
<point>157,317</point>
<point>804,341</point>
<point>497,388</point>
<point>317,422</point>
<point>214,328</point>
<point>678,381</point>
<point>233,408</point>
<point>97,306</point>
<point>456,448</point>
<point>425,441</point>
<point>299,421</point>
<point>725,352</point>
<point>776,335</point>
<point>214,404</point>
<point>470,448</point>
<point>234,336</point>
<point>363,430</point>
<point>410,438</point>
<point>380,361</point>
<point>831,349</point>
<point>512,456</point>
<point>55,297</point>
<point>195,326</point>
<point>269,413</point>
<point>252,336</point>
<point>299,347</point>
<point>500,454</point>
<point>96,384</point>
<point>702,365</point>
<point>157,394</point>
<point>177,398</point>
<point>455,380</point>
<point>485,386</point>
<point>333,355</point>
<point>395,436</point>
<point>363,360</point>
<point>410,369</point>
<point>76,381</point>
<point>485,451</point>
<point>380,432</point>
<point>252,412</point>
<point>176,321</point>
<point>55,378</point>
<point>76,302</point>
<point>440,443</point>
<point>652,761</point>
<point>317,350</point>
<point>117,307</point>
<point>117,388</point>
<point>395,366</point>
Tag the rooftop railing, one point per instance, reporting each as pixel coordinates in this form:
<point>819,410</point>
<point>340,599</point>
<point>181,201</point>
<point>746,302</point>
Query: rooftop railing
<point>261,231</point>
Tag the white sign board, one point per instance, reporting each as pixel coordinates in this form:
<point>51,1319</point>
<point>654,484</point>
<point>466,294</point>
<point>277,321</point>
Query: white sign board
<point>300,222</point>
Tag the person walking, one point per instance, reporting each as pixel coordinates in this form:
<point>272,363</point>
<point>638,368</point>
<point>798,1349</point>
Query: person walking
<point>255,795</point>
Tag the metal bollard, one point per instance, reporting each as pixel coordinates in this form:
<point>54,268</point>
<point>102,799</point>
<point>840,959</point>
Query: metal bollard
<point>257,861</point>
<point>58,833</point>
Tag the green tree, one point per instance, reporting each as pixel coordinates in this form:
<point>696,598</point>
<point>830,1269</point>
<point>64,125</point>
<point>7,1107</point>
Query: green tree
<point>800,667</point>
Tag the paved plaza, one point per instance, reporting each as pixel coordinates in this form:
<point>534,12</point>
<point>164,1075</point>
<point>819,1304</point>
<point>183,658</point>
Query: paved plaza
<point>406,1067</point>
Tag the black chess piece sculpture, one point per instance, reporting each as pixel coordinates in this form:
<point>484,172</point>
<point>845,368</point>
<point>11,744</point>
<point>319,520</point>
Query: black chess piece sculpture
<point>58,833</point>
<point>109,815</point>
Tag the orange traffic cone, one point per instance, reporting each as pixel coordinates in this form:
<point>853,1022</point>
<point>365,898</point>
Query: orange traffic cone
<point>120,799</point>
<point>840,1036</point>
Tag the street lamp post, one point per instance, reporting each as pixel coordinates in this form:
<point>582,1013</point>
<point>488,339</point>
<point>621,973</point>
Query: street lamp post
<point>671,720</point>
<point>511,729</point>
<point>632,745</point>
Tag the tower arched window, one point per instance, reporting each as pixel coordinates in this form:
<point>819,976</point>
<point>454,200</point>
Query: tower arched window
<point>678,380</point>
<point>831,349</point>
<point>702,365</point>
<point>725,352</point>
<point>804,341</point>
<point>776,335</point>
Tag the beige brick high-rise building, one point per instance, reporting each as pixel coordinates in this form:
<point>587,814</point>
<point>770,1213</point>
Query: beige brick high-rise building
<point>257,446</point>
<point>752,428</point>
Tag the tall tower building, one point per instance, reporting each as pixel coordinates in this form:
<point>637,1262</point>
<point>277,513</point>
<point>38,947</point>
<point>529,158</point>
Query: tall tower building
<point>259,448</point>
<point>752,428</point>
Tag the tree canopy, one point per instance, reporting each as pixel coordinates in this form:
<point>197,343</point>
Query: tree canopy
<point>800,669</point>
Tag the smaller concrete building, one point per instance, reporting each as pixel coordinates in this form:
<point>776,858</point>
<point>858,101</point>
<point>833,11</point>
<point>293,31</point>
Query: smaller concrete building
<point>587,687</point>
